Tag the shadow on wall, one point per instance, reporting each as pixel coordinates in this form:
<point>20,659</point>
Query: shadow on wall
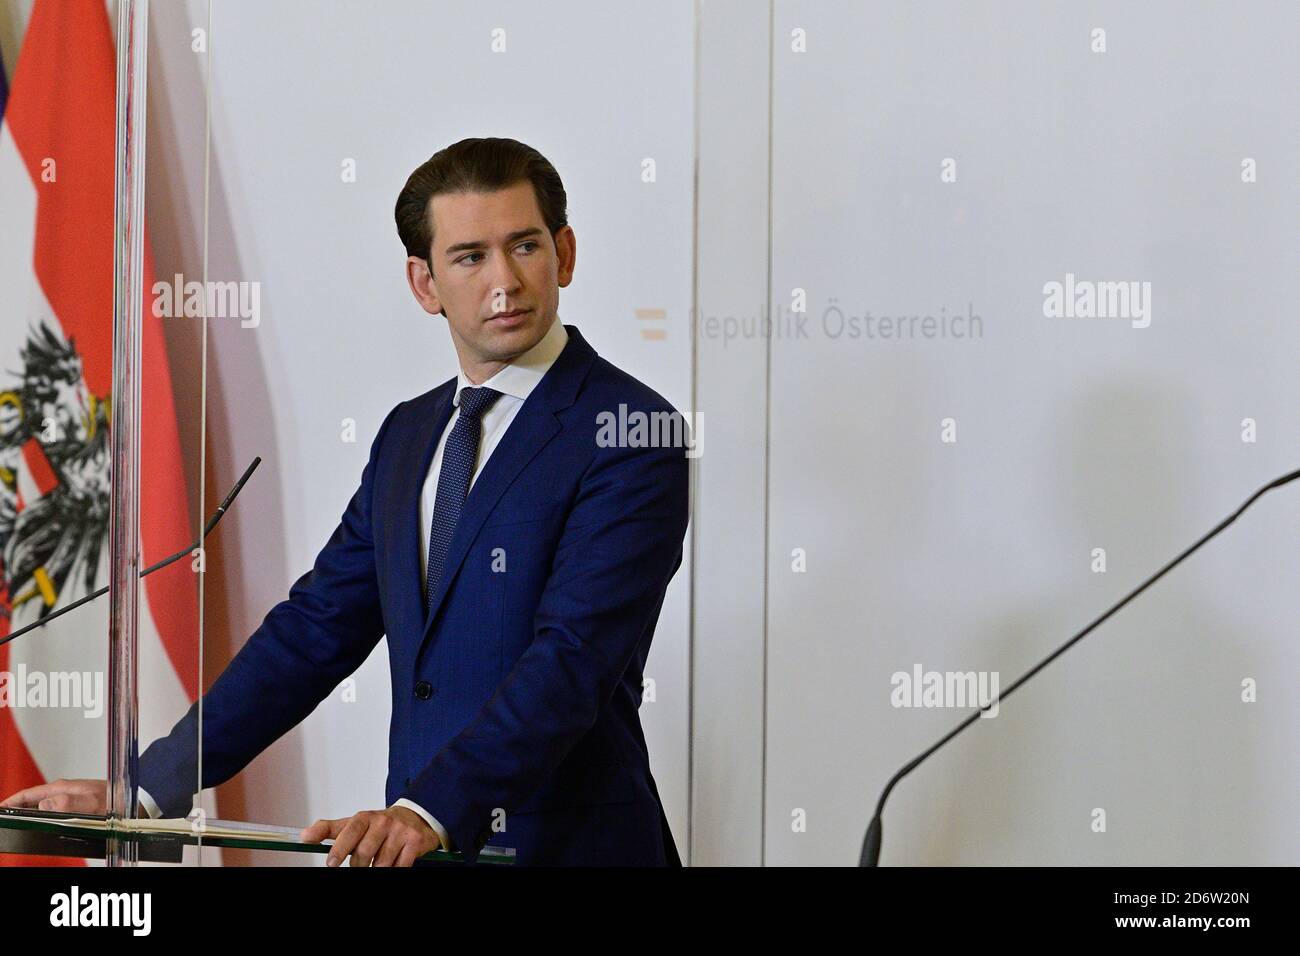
<point>1143,718</point>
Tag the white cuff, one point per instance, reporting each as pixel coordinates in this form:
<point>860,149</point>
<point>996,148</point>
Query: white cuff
<point>427,817</point>
<point>147,804</point>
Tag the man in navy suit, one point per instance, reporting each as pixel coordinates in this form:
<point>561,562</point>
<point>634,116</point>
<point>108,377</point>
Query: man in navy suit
<point>515,556</point>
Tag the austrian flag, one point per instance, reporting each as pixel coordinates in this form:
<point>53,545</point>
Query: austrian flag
<point>56,270</point>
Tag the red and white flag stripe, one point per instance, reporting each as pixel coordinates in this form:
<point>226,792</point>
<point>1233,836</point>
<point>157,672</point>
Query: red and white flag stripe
<point>56,257</point>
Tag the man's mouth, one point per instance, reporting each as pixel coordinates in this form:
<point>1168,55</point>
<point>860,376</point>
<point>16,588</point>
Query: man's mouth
<point>509,317</point>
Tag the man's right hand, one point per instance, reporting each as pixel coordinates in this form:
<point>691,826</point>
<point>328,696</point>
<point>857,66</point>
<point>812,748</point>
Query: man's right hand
<point>71,796</point>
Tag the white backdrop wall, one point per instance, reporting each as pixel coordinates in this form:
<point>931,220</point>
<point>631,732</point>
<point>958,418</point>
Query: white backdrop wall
<point>1072,434</point>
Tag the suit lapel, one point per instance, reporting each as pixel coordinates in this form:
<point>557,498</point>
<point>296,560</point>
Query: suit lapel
<point>412,467</point>
<point>533,427</point>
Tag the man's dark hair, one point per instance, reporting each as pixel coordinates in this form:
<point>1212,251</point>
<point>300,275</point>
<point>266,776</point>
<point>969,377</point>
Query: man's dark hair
<point>475,165</point>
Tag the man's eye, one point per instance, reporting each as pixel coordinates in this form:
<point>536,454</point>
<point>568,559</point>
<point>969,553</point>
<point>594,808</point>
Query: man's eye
<point>530,242</point>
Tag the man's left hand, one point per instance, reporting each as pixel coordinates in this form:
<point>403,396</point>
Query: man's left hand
<point>393,837</point>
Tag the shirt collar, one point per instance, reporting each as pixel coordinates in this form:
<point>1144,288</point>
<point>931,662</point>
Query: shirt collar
<point>521,376</point>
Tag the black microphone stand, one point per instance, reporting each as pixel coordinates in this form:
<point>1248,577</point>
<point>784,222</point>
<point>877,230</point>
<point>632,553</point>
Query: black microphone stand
<point>212,523</point>
<point>871,842</point>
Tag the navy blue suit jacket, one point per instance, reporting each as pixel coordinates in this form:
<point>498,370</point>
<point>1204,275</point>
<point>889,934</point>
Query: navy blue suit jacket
<point>516,694</point>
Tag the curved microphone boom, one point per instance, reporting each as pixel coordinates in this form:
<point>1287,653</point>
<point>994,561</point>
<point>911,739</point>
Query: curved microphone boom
<point>212,523</point>
<point>871,842</point>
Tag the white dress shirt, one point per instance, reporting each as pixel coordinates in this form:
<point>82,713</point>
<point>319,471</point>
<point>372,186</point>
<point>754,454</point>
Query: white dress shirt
<point>515,382</point>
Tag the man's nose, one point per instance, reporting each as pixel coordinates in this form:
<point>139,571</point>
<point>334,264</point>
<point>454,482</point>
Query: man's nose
<point>504,277</point>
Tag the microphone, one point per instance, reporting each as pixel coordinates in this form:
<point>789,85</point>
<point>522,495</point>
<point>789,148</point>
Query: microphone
<point>212,523</point>
<point>871,842</point>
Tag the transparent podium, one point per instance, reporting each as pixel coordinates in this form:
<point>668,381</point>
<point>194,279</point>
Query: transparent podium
<point>50,834</point>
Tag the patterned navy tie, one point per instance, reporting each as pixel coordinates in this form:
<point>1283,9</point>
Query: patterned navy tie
<point>459,457</point>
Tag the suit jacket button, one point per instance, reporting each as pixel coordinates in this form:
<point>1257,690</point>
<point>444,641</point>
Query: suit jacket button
<point>424,690</point>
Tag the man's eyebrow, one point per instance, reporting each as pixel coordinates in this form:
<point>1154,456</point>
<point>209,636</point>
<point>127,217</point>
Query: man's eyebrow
<point>482,244</point>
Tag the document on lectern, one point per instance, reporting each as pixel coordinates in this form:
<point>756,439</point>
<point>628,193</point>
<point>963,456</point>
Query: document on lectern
<point>178,825</point>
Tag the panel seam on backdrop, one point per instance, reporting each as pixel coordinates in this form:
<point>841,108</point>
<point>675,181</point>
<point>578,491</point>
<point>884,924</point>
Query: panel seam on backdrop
<point>767,426</point>
<point>694,484</point>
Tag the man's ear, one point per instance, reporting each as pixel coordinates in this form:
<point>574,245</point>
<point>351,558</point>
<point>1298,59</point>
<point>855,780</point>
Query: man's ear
<point>566,254</point>
<point>425,290</point>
